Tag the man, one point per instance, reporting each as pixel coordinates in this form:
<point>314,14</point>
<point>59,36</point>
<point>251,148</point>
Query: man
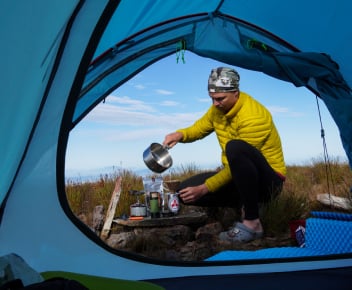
<point>253,164</point>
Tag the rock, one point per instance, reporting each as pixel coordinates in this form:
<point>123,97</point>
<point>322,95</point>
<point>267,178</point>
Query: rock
<point>208,231</point>
<point>166,236</point>
<point>125,240</point>
<point>98,219</point>
<point>185,242</point>
<point>195,251</point>
<point>226,216</point>
<point>189,218</point>
<point>172,255</point>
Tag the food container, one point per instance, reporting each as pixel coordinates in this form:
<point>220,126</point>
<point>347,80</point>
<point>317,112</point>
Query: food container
<point>157,158</point>
<point>174,203</point>
<point>294,225</point>
<point>155,203</point>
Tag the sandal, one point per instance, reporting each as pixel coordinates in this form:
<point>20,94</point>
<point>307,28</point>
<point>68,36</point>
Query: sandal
<point>240,233</point>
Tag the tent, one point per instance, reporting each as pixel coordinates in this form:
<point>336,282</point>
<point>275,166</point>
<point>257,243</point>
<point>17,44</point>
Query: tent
<point>60,58</point>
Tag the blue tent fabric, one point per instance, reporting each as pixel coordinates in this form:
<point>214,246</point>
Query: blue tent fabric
<point>228,40</point>
<point>60,58</point>
<point>26,73</point>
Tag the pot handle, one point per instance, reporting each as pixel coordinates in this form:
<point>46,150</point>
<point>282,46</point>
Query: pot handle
<point>167,147</point>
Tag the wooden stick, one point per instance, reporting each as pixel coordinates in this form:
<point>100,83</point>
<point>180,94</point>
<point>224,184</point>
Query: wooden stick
<point>111,210</point>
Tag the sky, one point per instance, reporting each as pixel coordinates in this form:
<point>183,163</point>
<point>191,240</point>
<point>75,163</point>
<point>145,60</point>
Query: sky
<point>170,95</point>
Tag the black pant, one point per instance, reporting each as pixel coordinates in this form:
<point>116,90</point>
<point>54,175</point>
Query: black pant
<point>253,181</point>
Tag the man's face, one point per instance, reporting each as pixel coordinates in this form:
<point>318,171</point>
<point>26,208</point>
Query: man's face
<point>224,101</point>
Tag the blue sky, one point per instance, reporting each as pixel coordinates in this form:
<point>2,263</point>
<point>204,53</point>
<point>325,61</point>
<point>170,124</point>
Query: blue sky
<point>170,95</point>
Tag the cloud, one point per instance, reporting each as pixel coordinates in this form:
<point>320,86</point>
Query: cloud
<point>133,127</point>
<point>122,118</point>
<point>275,110</point>
<point>164,92</point>
<point>127,103</point>
<point>204,100</point>
<point>169,103</point>
<point>140,87</point>
<point>133,115</point>
<point>133,135</point>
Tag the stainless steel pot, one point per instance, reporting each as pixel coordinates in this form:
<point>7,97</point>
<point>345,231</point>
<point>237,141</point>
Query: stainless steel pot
<point>157,158</point>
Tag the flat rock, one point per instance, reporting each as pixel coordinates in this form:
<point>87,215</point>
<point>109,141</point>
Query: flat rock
<point>180,219</point>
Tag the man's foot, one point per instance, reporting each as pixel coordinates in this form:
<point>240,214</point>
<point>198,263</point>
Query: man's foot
<point>254,225</point>
<point>240,233</point>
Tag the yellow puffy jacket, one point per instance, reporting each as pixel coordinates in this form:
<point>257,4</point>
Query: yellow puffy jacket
<point>249,121</point>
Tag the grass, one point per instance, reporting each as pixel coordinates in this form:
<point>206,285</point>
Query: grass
<point>296,201</point>
<point>83,197</point>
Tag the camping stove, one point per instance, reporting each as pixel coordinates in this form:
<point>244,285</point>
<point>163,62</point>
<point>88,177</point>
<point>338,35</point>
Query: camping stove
<point>137,209</point>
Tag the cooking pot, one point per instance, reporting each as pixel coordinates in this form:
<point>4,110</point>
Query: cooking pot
<point>157,158</point>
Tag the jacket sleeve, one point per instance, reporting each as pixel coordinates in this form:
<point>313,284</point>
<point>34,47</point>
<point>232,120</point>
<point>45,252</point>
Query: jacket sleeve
<point>218,180</point>
<point>200,129</point>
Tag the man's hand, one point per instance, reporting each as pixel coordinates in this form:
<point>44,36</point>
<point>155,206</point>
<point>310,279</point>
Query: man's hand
<point>193,193</point>
<point>172,139</point>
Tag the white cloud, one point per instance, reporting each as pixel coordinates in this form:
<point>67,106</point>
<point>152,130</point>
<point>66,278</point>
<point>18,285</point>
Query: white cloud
<point>131,135</point>
<point>204,100</point>
<point>164,92</point>
<point>169,103</point>
<point>129,116</point>
<point>127,103</point>
<point>275,110</point>
<point>140,87</point>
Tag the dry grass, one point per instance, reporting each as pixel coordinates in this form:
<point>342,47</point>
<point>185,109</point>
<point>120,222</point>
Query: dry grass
<point>296,201</point>
<point>83,197</point>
